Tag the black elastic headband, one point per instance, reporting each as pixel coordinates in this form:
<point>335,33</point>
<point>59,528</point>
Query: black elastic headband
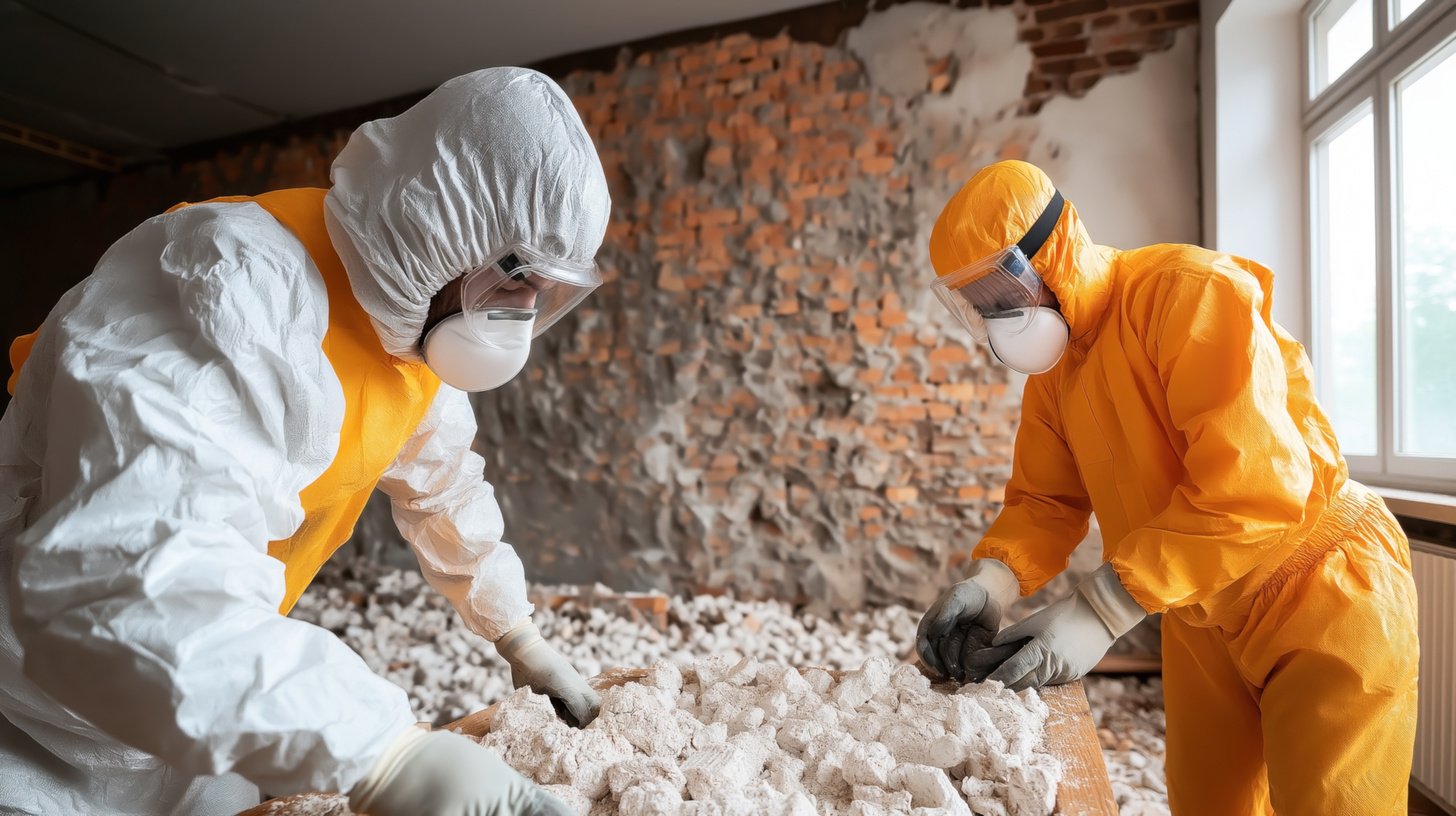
<point>1042,228</point>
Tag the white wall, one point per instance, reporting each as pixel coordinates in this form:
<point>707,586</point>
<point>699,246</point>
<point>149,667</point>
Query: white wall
<point>1253,153</point>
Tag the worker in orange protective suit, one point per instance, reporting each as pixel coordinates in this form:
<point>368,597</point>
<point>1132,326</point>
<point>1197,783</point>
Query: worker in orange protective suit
<point>1165,399</point>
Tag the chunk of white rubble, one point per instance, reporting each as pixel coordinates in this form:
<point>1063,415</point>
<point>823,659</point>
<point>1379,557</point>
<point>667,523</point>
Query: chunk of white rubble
<point>639,715</point>
<point>649,799</point>
<point>862,684</point>
<point>742,673</point>
<point>571,797</point>
<point>784,772</point>
<point>944,751</point>
<point>722,767</point>
<point>887,800</point>
<point>1032,788</point>
<point>985,796</point>
<point>665,675</point>
<point>869,765</point>
<point>819,680</point>
<point>645,770</point>
<point>929,787</point>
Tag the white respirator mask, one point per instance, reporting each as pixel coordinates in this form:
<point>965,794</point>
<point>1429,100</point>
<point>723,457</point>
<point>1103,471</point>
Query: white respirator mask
<point>1034,349</point>
<point>506,301</point>
<point>458,354</point>
<point>998,300</point>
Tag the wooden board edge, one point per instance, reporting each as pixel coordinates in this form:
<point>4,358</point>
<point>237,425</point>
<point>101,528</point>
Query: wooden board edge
<point>1085,789</point>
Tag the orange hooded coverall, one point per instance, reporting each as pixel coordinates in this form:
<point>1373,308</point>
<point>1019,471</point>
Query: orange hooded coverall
<point>1183,416</point>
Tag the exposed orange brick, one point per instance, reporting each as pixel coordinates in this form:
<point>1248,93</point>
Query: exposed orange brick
<point>876,165</point>
<point>941,411</point>
<point>964,392</point>
<point>950,354</point>
<point>970,492</point>
<point>901,495</point>
<point>720,155</point>
<point>724,461</point>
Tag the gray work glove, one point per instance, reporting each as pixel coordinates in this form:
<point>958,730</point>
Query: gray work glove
<point>534,663</point>
<point>1062,642</point>
<point>964,620</point>
<point>445,774</point>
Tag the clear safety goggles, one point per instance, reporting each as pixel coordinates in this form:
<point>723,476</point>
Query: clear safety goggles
<point>1002,286</point>
<point>520,282</point>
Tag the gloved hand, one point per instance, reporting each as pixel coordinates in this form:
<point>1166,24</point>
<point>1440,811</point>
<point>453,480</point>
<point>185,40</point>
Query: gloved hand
<point>964,620</point>
<point>1064,641</point>
<point>534,663</point>
<point>445,774</point>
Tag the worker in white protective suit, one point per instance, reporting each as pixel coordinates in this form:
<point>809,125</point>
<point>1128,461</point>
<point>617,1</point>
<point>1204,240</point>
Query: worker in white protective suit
<point>197,425</point>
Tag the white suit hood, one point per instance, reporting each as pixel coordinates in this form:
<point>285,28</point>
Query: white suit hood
<point>487,159</point>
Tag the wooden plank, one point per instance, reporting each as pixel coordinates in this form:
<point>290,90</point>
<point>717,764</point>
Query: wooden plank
<point>1129,664</point>
<point>1070,736</point>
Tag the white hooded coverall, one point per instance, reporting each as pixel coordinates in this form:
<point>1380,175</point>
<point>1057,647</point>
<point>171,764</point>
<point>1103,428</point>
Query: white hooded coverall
<point>174,405</point>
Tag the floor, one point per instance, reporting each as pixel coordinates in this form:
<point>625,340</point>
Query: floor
<point>1421,806</point>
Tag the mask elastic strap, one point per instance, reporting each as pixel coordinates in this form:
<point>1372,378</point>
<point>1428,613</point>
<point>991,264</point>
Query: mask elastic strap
<point>1041,230</point>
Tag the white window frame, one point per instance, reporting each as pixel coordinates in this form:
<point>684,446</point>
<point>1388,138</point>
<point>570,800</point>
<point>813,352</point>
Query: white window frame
<point>1397,55</point>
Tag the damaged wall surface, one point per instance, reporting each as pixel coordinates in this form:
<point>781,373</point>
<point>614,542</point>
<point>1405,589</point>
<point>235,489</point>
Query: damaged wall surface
<point>764,397</point>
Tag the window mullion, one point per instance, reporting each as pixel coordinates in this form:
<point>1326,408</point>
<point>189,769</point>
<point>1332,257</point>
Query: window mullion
<point>1386,320</point>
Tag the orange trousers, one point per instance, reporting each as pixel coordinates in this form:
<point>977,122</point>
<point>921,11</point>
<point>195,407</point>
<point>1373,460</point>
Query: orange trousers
<point>1308,709</point>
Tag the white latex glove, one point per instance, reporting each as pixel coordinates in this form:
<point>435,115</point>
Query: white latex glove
<point>445,774</point>
<point>534,663</point>
<point>1062,642</point>
<point>964,620</point>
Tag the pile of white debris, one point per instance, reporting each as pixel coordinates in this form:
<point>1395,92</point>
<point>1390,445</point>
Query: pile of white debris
<point>741,737</point>
<point>409,634</point>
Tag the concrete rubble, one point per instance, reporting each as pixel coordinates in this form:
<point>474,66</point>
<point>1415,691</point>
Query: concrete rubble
<point>407,633</point>
<point>740,736</point>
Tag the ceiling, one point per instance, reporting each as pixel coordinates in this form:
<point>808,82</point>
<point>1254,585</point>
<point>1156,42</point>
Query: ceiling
<point>133,79</point>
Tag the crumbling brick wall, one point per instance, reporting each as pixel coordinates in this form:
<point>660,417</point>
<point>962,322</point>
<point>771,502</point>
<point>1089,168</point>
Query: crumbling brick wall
<point>762,397</point>
<point>1078,42</point>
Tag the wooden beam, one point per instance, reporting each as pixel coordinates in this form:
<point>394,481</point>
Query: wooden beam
<point>43,142</point>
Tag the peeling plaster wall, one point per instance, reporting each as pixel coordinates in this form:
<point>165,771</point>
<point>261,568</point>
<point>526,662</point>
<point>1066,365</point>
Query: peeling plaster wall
<point>764,397</point>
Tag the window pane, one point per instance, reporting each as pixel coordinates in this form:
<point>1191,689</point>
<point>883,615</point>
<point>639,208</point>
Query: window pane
<point>1403,9</point>
<point>1345,264</point>
<point>1427,235</point>
<point>1343,31</point>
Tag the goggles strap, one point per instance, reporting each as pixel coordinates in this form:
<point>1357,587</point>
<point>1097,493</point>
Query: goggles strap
<point>1041,230</point>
